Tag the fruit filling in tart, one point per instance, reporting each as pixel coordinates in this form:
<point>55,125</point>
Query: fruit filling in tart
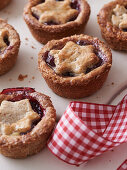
<point>119,17</point>
<point>55,12</point>
<point>75,58</point>
<point>4,40</point>
<point>20,114</point>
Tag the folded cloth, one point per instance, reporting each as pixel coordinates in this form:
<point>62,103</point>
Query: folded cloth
<point>86,130</point>
<point>123,166</point>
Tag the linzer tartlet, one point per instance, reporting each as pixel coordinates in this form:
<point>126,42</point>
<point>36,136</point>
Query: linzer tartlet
<point>112,19</point>
<point>76,66</point>
<point>55,19</point>
<point>9,46</point>
<point>27,119</point>
<point>4,3</point>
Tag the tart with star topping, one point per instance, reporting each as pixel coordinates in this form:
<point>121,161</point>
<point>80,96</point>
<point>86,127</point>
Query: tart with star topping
<point>4,3</point>
<point>55,19</point>
<point>76,66</point>
<point>27,119</point>
<point>9,46</point>
<point>112,19</point>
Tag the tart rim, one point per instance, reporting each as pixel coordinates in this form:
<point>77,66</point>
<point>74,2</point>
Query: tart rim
<point>82,16</point>
<point>78,80</point>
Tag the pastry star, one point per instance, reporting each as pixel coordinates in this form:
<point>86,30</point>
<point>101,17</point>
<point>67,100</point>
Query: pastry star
<point>16,117</point>
<point>3,45</point>
<point>120,16</point>
<point>74,58</point>
<point>52,10</point>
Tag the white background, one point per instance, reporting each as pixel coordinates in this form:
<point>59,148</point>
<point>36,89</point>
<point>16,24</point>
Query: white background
<point>27,66</point>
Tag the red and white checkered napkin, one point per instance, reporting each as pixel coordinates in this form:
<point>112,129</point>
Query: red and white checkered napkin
<point>86,130</point>
<point>123,166</point>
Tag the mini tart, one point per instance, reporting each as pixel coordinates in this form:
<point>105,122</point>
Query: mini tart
<point>112,19</point>
<point>9,46</point>
<point>70,76</point>
<point>72,23</point>
<point>26,127</point>
<point>4,3</point>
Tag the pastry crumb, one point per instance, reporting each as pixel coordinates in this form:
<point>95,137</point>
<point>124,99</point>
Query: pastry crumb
<point>33,77</point>
<point>31,58</point>
<point>33,47</point>
<point>26,39</point>
<point>113,83</point>
<point>10,79</point>
<point>22,77</point>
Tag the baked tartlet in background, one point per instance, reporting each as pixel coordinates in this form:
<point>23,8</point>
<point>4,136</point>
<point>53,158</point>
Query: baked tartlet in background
<point>4,3</point>
<point>76,66</point>
<point>112,19</point>
<point>27,119</point>
<point>9,46</point>
<point>55,19</point>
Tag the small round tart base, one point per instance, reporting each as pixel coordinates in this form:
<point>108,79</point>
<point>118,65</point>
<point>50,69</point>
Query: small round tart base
<point>9,56</point>
<point>24,145</point>
<point>44,33</point>
<point>4,3</point>
<point>78,86</point>
<point>113,35</point>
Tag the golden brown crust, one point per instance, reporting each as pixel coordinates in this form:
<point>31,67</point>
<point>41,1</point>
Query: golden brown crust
<point>79,86</point>
<point>9,57</point>
<point>115,37</point>
<point>4,3</point>
<point>33,142</point>
<point>43,33</point>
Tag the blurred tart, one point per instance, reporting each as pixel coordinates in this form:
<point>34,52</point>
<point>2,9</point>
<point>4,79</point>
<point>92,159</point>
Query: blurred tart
<point>4,3</point>
<point>55,19</point>
<point>9,46</point>
<point>112,19</point>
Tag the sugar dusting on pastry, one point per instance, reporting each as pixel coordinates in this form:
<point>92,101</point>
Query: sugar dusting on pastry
<point>16,117</point>
<point>119,17</point>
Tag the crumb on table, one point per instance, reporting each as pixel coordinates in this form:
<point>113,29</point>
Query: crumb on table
<point>22,77</point>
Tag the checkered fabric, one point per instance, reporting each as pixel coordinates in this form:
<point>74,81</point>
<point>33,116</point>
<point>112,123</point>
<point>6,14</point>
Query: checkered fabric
<point>123,166</point>
<point>86,130</point>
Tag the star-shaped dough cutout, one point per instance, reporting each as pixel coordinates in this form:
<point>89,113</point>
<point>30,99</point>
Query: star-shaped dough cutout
<point>16,117</point>
<point>57,11</point>
<point>74,58</point>
<point>3,45</point>
<point>119,18</point>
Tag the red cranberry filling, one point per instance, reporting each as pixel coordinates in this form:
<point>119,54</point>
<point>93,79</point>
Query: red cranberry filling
<point>6,40</point>
<point>125,30</point>
<point>74,5</point>
<point>50,59</point>
<point>23,93</point>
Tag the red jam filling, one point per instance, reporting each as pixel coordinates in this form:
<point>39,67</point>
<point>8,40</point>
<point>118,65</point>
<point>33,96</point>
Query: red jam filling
<point>50,59</point>
<point>74,5</point>
<point>23,93</point>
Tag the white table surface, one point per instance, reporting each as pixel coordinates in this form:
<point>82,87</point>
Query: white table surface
<point>115,86</point>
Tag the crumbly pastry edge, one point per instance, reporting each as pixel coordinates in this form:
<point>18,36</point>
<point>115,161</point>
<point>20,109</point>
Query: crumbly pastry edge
<point>115,37</point>
<point>44,33</point>
<point>9,57</point>
<point>4,3</point>
<point>33,142</point>
<point>80,86</point>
